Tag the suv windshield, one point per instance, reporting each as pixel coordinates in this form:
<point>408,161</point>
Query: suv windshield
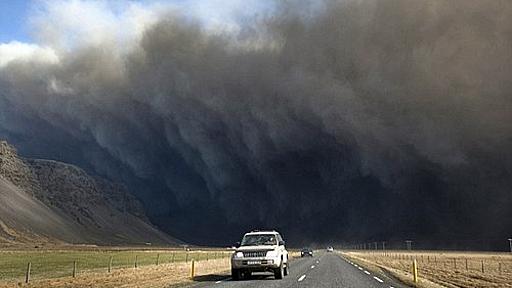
<point>259,239</point>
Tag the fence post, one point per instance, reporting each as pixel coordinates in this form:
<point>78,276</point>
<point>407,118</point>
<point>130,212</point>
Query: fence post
<point>172,260</point>
<point>135,264</point>
<point>466,264</point>
<point>483,271</point>
<point>27,276</point>
<point>499,267</point>
<point>74,269</point>
<point>455,263</point>
<point>192,269</point>
<point>186,257</point>
<point>415,271</point>
<point>157,259</point>
<point>110,264</point>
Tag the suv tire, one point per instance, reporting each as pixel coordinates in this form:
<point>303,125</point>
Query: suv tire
<point>287,268</point>
<point>279,272</point>
<point>236,274</point>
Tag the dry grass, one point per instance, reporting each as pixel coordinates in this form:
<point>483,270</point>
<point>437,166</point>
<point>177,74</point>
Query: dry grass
<point>164,275</point>
<point>449,269</point>
<point>56,263</point>
<point>53,267</point>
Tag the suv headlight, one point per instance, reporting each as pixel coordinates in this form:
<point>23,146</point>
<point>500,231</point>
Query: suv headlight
<point>238,255</point>
<point>272,254</point>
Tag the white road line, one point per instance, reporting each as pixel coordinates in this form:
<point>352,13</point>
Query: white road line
<point>378,279</point>
<point>366,272</point>
<point>360,268</point>
<point>317,262</point>
<point>391,287</point>
<point>312,266</point>
<point>220,281</point>
<point>302,278</point>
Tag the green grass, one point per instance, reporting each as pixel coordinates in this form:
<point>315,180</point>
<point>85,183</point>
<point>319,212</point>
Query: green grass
<point>53,264</point>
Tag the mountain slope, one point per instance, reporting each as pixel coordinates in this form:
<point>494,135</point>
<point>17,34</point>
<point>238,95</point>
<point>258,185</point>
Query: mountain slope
<point>26,219</point>
<point>50,201</point>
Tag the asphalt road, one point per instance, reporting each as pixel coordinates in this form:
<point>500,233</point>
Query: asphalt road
<point>324,270</point>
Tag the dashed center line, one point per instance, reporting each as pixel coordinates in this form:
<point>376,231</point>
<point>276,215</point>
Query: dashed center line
<point>312,266</point>
<point>218,282</point>
<point>366,272</point>
<point>301,278</point>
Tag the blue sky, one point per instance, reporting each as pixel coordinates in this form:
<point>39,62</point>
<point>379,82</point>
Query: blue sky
<point>13,14</point>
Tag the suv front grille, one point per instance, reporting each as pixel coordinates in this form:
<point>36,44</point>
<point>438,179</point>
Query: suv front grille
<point>253,254</point>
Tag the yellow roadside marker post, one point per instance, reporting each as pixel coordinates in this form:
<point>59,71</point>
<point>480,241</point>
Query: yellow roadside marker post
<point>415,271</point>
<point>192,269</point>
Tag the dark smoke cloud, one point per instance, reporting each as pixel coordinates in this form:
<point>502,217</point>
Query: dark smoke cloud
<point>340,121</point>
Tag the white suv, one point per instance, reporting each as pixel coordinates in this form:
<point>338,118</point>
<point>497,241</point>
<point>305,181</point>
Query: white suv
<point>260,251</point>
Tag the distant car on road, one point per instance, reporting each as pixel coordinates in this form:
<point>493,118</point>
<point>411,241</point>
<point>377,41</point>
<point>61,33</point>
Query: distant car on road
<point>305,252</point>
<point>330,249</point>
<point>260,251</point>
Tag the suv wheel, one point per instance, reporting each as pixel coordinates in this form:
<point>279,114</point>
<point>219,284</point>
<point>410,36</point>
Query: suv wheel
<point>236,274</point>
<point>278,272</point>
<point>287,268</point>
<point>247,275</point>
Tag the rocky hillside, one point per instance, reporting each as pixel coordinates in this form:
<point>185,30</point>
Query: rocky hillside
<point>50,201</point>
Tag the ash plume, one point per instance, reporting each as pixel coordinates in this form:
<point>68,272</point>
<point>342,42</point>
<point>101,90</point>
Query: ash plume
<point>340,121</point>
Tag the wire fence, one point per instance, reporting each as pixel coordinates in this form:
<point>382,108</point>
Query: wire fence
<point>36,265</point>
<point>463,269</point>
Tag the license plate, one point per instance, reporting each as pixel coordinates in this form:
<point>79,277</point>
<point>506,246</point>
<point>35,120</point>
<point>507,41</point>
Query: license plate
<point>253,262</point>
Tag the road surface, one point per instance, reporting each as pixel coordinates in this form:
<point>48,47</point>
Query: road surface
<point>324,270</point>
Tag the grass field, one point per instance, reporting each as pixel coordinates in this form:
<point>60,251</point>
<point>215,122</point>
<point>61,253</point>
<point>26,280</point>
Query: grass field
<point>54,268</point>
<point>49,264</point>
<point>155,276</point>
<point>445,269</point>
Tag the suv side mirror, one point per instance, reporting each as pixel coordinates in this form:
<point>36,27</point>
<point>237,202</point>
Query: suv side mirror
<point>237,244</point>
<point>281,243</point>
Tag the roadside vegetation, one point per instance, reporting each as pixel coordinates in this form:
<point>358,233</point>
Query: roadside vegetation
<point>51,264</point>
<point>441,269</point>
<point>129,267</point>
